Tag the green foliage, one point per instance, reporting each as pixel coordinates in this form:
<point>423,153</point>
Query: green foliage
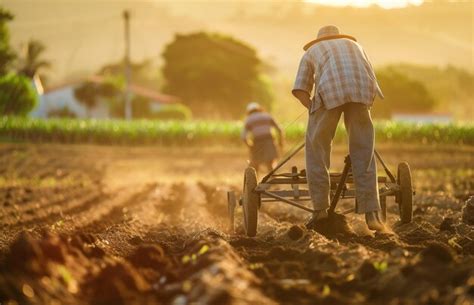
<point>162,132</point>
<point>17,95</point>
<point>142,73</point>
<point>7,56</point>
<point>31,62</point>
<point>215,75</point>
<point>173,112</point>
<point>89,93</point>
<point>381,266</point>
<point>453,87</point>
<point>63,112</point>
<point>168,132</point>
<point>142,109</point>
<point>402,94</point>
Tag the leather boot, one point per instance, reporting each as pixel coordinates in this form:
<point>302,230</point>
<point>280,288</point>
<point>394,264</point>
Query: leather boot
<point>373,222</point>
<point>317,215</point>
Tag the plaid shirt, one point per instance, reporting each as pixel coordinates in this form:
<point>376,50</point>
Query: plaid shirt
<point>340,72</point>
<point>260,125</point>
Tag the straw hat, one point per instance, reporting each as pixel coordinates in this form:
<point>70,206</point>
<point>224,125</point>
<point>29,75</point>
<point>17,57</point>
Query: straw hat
<point>326,33</point>
<point>253,107</point>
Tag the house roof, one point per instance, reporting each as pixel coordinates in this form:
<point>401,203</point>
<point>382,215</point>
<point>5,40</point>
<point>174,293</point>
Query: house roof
<point>153,95</point>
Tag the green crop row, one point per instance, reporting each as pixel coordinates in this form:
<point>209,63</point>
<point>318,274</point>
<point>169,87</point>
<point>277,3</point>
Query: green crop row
<point>206,132</point>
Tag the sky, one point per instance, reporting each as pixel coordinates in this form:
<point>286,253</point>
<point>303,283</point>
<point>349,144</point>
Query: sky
<point>365,3</point>
<point>83,35</point>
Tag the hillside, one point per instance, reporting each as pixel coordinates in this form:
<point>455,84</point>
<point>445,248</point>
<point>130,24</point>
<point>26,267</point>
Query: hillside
<point>81,36</point>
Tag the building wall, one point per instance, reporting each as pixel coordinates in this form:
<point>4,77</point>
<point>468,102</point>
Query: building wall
<point>64,97</point>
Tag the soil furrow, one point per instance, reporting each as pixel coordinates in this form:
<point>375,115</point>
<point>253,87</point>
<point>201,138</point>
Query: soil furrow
<point>149,227</point>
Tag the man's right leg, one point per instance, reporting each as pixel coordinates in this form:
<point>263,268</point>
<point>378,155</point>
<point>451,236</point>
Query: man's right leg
<point>322,126</point>
<point>254,164</point>
<point>361,148</point>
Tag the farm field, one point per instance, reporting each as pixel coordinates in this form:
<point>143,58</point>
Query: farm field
<point>214,132</point>
<point>89,224</point>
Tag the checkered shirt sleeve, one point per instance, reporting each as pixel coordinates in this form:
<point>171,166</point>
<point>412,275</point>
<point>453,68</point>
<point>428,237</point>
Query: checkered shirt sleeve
<point>305,75</point>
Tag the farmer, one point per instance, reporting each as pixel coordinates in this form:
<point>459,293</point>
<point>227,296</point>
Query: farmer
<point>344,82</point>
<point>258,125</point>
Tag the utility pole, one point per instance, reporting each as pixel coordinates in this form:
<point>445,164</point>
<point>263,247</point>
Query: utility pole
<point>127,68</point>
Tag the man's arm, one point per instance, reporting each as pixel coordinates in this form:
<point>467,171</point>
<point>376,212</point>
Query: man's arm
<point>280,132</point>
<point>244,134</point>
<point>303,97</point>
<point>304,81</point>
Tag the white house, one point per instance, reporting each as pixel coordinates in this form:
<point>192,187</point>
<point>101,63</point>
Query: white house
<point>422,117</point>
<point>62,96</point>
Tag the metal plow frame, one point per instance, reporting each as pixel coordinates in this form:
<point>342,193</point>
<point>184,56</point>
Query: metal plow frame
<point>296,196</point>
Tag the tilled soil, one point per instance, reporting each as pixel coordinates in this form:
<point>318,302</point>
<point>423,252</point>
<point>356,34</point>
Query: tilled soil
<point>110,225</point>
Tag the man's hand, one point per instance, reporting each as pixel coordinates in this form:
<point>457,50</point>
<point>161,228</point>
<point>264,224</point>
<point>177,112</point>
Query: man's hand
<point>303,97</point>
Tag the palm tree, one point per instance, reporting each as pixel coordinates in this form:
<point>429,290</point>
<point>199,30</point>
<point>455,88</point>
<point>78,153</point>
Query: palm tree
<point>7,56</point>
<point>31,62</point>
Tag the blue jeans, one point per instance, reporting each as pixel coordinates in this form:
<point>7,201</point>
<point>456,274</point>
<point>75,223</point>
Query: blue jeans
<point>322,125</point>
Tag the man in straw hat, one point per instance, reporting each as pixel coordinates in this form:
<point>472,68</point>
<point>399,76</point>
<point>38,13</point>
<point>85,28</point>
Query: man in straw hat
<point>259,125</point>
<point>344,82</point>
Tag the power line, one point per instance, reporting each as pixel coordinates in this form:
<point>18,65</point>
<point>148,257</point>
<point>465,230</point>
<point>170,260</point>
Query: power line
<point>128,70</point>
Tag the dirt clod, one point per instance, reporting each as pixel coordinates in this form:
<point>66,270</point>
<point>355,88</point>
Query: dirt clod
<point>115,282</point>
<point>468,211</point>
<point>282,253</point>
<point>295,232</point>
<point>437,252</point>
<point>25,254</point>
<point>335,225</point>
<point>367,271</point>
<point>447,225</point>
<point>150,256</point>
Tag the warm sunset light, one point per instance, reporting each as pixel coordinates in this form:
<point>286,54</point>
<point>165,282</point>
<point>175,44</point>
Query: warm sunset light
<point>244,152</point>
<point>364,3</point>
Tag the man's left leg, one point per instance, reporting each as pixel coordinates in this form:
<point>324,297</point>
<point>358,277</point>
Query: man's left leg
<point>269,165</point>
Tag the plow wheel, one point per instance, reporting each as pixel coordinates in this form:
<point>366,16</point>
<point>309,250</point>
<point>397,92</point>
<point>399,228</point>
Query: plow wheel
<point>250,202</point>
<point>405,195</point>
<point>383,206</point>
<point>231,204</point>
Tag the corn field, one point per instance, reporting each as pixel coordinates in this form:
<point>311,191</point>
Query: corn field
<point>143,132</point>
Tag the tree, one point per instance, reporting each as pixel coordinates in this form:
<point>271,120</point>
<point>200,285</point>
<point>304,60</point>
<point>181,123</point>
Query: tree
<point>215,75</point>
<point>7,56</point>
<point>17,95</point>
<point>402,94</point>
<point>143,72</point>
<point>452,86</point>
<point>89,93</point>
<point>31,62</point>
<point>63,112</point>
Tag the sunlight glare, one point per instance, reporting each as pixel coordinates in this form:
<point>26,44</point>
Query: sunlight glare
<point>365,3</point>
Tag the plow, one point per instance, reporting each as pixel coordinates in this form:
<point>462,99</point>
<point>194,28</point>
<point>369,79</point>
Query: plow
<point>291,188</point>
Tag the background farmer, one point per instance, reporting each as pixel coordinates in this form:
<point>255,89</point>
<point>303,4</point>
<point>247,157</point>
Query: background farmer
<point>344,82</point>
<point>257,135</point>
